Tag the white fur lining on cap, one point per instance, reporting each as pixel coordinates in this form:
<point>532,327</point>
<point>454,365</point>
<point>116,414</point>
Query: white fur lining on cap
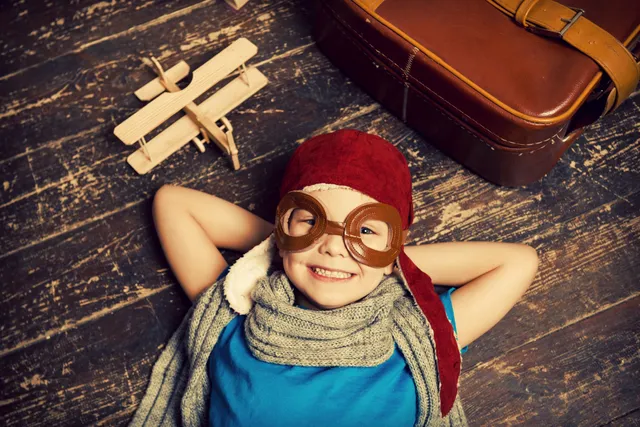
<point>245,273</point>
<point>324,187</point>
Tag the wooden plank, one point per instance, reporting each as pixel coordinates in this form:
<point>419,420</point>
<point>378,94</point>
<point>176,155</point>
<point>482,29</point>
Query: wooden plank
<point>585,374</point>
<point>64,176</point>
<point>35,31</point>
<point>586,261</point>
<point>96,85</point>
<point>584,177</point>
<point>631,419</point>
<point>90,256</point>
<point>101,271</point>
<point>96,373</point>
<point>70,176</point>
<point>15,179</point>
<point>449,218</point>
<point>64,279</point>
<point>373,120</point>
<point>109,263</point>
<point>609,151</point>
<point>103,196</point>
<point>600,220</point>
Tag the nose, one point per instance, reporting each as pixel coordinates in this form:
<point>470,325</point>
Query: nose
<point>333,245</point>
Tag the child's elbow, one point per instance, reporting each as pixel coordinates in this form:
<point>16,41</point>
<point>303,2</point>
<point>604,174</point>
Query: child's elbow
<point>165,197</point>
<point>529,262</point>
<point>165,192</point>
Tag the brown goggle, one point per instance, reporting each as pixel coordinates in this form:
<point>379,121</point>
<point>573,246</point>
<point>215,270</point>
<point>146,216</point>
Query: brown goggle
<point>372,233</point>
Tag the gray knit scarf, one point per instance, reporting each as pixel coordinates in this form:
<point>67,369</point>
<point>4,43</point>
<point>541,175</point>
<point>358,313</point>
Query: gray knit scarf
<point>360,334</point>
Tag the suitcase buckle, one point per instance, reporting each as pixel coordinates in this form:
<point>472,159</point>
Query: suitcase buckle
<point>558,34</point>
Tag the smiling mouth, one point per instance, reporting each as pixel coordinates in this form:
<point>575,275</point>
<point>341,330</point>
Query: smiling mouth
<point>325,273</point>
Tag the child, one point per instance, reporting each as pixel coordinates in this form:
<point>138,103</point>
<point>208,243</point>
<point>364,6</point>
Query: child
<point>352,331</point>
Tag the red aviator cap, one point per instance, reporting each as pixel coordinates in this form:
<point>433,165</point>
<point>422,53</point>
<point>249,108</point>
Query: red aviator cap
<point>373,166</point>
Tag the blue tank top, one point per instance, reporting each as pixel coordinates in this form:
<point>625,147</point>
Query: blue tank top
<point>246,391</point>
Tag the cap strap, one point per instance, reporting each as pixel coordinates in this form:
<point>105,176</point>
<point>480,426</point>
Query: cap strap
<point>447,352</point>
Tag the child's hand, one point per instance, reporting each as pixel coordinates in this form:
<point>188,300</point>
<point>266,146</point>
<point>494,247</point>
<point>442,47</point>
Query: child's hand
<point>193,225</point>
<point>494,275</point>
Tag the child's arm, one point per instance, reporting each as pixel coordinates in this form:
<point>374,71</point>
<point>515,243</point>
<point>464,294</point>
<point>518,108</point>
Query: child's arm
<point>494,275</point>
<point>193,225</point>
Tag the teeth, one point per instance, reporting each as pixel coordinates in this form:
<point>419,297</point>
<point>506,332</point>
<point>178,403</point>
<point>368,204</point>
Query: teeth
<point>332,274</point>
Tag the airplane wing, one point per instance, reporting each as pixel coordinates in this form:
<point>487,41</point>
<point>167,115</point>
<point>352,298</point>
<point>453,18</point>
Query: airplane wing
<point>184,130</point>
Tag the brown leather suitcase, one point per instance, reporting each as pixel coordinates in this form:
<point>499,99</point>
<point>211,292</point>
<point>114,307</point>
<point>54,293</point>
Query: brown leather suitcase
<point>502,86</point>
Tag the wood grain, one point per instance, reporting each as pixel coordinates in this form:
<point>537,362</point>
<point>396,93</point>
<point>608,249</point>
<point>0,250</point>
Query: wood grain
<point>37,31</point>
<point>442,223</point>
<point>594,379</point>
<point>84,277</point>
<point>632,419</point>
<point>95,374</point>
<point>96,85</point>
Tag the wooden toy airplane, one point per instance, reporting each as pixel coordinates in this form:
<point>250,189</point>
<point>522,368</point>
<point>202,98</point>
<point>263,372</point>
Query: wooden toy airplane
<point>236,4</point>
<point>199,119</point>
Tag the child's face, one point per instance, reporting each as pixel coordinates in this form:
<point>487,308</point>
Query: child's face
<point>330,253</point>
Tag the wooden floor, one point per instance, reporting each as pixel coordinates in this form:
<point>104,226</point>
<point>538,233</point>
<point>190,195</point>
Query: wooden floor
<point>88,300</point>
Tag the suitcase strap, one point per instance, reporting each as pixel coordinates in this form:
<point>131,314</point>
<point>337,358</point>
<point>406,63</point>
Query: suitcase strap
<point>552,19</point>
